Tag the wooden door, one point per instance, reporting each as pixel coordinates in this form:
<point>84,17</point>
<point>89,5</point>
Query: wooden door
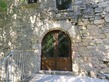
<point>56,52</point>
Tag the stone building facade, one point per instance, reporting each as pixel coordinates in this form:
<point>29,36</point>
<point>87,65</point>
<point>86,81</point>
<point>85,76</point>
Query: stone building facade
<point>86,23</point>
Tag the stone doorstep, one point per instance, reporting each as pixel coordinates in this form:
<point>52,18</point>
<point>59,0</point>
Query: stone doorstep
<point>56,72</point>
<point>49,72</point>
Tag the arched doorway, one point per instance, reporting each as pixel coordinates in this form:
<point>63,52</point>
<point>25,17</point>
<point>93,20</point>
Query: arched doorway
<point>56,51</point>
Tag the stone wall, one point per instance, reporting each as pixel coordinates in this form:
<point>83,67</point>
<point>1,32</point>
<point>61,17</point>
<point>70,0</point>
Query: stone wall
<point>87,24</point>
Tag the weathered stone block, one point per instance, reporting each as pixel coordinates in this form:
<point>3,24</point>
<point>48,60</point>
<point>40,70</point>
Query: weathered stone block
<point>91,43</point>
<point>99,21</point>
<point>85,43</point>
<point>92,19</point>
<point>93,73</point>
<point>73,30</point>
<point>80,23</point>
<point>83,27</point>
<point>84,31</point>
<point>98,56</point>
<point>85,34</point>
<point>97,17</point>
<point>107,35</point>
<point>105,70</point>
<point>106,41</point>
<point>103,66</point>
<point>107,18</point>
<point>90,27</point>
<point>98,10</point>
<point>98,41</point>
<point>75,68</point>
<point>101,47</point>
<point>86,54</point>
<point>77,38</point>
<point>107,8</point>
<point>101,36</point>
<point>102,4</point>
<point>106,30</point>
<point>94,33</point>
<point>83,72</point>
<point>101,76</point>
<point>91,48</point>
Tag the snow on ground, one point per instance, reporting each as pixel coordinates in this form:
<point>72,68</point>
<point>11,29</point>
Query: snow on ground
<point>64,78</point>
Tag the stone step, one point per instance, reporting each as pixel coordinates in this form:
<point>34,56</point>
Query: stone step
<point>56,72</point>
<point>43,73</point>
<point>64,78</point>
<point>44,77</point>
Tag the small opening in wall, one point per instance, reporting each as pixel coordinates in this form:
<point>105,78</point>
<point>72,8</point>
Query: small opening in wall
<point>32,1</point>
<point>63,4</point>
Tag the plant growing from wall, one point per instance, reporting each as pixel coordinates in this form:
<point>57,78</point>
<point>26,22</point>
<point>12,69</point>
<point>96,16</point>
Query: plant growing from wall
<point>3,5</point>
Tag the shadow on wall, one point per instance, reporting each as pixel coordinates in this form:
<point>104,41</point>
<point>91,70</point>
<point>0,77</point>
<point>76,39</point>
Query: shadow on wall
<point>25,25</point>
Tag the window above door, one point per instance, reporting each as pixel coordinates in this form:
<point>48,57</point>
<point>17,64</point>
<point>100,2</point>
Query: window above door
<point>63,4</point>
<point>32,1</point>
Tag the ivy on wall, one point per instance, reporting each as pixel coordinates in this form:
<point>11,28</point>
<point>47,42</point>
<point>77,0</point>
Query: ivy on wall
<point>3,5</point>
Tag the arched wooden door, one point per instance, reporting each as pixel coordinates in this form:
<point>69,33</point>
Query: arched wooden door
<point>56,52</point>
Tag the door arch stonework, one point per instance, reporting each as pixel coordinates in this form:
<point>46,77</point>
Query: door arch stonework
<point>69,30</point>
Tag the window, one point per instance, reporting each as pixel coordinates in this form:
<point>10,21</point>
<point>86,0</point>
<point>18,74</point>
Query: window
<point>32,1</point>
<point>63,4</point>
